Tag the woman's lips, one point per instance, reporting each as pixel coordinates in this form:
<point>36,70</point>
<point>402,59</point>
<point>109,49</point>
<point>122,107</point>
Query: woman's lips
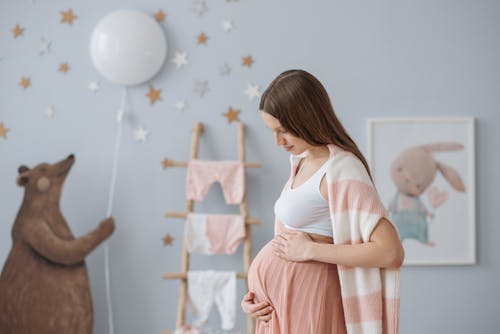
<point>288,148</point>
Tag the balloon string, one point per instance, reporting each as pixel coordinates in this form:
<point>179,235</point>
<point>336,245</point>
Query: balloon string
<point>121,113</point>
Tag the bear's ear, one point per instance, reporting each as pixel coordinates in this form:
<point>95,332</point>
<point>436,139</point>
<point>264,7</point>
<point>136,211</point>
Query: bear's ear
<point>22,169</point>
<point>22,180</point>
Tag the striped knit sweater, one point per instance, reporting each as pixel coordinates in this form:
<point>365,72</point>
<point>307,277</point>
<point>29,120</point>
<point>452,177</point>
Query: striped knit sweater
<point>370,295</point>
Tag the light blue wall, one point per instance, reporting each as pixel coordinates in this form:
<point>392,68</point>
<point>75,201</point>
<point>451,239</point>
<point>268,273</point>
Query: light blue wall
<point>376,58</point>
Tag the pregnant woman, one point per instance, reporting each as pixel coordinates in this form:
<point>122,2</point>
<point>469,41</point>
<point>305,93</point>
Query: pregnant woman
<point>333,265</point>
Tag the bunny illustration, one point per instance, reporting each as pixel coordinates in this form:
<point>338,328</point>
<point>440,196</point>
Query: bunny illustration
<point>413,171</point>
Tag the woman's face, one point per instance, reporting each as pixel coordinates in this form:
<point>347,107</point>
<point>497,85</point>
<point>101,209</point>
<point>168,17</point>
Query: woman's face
<point>282,137</point>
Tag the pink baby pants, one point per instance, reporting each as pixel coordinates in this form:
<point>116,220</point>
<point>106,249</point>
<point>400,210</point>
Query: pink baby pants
<point>201,174</point>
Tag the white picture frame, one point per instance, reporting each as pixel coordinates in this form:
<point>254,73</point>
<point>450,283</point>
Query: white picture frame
<point>437,225</point>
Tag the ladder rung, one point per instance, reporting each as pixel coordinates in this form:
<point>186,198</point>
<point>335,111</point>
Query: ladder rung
<point>171,163</point>
<point>240,275</point>
<point>183,215</point>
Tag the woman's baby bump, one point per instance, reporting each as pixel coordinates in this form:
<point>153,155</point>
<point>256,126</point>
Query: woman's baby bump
<point>267,267</point>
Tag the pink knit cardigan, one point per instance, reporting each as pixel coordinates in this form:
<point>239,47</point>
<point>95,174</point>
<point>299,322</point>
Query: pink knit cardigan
<point>370,296</point>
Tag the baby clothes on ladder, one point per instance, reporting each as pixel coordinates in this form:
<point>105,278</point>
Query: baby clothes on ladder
<point>225,232</point>
<point>214,234</point>
<point>208,286</point>
<point>202,173</point>
<point>195,234</point>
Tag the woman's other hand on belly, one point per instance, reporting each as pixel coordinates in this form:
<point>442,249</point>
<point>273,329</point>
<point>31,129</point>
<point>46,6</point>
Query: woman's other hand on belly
<point>260,311</point>
<point>292,245</point>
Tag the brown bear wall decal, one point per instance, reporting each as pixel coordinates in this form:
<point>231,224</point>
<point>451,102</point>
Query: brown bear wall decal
<point>44,285</point>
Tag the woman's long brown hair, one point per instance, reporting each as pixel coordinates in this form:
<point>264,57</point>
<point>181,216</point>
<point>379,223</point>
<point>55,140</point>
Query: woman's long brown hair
<point>301,104</point>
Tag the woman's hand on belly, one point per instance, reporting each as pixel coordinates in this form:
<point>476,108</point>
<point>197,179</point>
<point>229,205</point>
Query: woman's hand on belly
<point>292,246</point>
<point>260,311</point>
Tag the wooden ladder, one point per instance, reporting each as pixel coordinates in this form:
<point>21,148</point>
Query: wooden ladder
<point>247,250</point>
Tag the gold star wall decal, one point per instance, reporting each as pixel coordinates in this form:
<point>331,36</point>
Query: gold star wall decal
<point>25,82</point>
<point>168,240</point>
<point>63,68</point>
<point>202,39</point>
<point>68,17</point>
<point>17,31</point>
<point>165,163</point>
<point>3,131</point>
<point>232,115</point>
<point>160,15</point>
<point>153,94</point>
<point>247,61</point>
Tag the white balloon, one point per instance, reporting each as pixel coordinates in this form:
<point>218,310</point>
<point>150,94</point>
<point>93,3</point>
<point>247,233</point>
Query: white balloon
<point>128,47</point>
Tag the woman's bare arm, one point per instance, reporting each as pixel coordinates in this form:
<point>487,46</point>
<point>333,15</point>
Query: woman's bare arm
<point>384,250</point>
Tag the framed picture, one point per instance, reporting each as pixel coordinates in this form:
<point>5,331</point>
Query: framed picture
<point>423,169</point>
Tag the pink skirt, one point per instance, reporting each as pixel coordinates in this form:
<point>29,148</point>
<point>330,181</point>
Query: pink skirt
<point>305,295</point>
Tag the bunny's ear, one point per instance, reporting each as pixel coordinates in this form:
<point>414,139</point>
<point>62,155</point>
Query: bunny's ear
<point>452,176</point>
<point>444,146</point>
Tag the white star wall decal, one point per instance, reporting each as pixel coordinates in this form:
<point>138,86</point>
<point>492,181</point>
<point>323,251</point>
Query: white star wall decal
<point>181,105</point>
<point>200,7</point>
<point>180,58</point>
<point>49,112</point>
<point>224,70</point>
<point>94,86</point>
<point>141,135</point>
<point>44,46</point>
<point>252,91</point>
<point>201,88</point>
<point>228,25</point>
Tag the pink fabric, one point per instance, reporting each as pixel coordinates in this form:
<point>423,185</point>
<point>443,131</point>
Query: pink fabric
<point>391,307</point>
<point>363,308</point>
<point>356,196</point>
<point>187,329</point>
<point>202,173</point>
<point>305,296</point>
<point>370,295</point>
<point>224,232</point>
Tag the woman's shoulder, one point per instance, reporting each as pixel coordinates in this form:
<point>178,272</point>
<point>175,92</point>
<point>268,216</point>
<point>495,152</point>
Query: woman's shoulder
<point>345,165</point>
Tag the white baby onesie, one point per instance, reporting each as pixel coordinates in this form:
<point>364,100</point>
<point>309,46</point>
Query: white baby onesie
<point>208,286</point>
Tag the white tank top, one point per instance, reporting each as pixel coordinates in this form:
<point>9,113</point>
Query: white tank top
<point>304,208</point>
